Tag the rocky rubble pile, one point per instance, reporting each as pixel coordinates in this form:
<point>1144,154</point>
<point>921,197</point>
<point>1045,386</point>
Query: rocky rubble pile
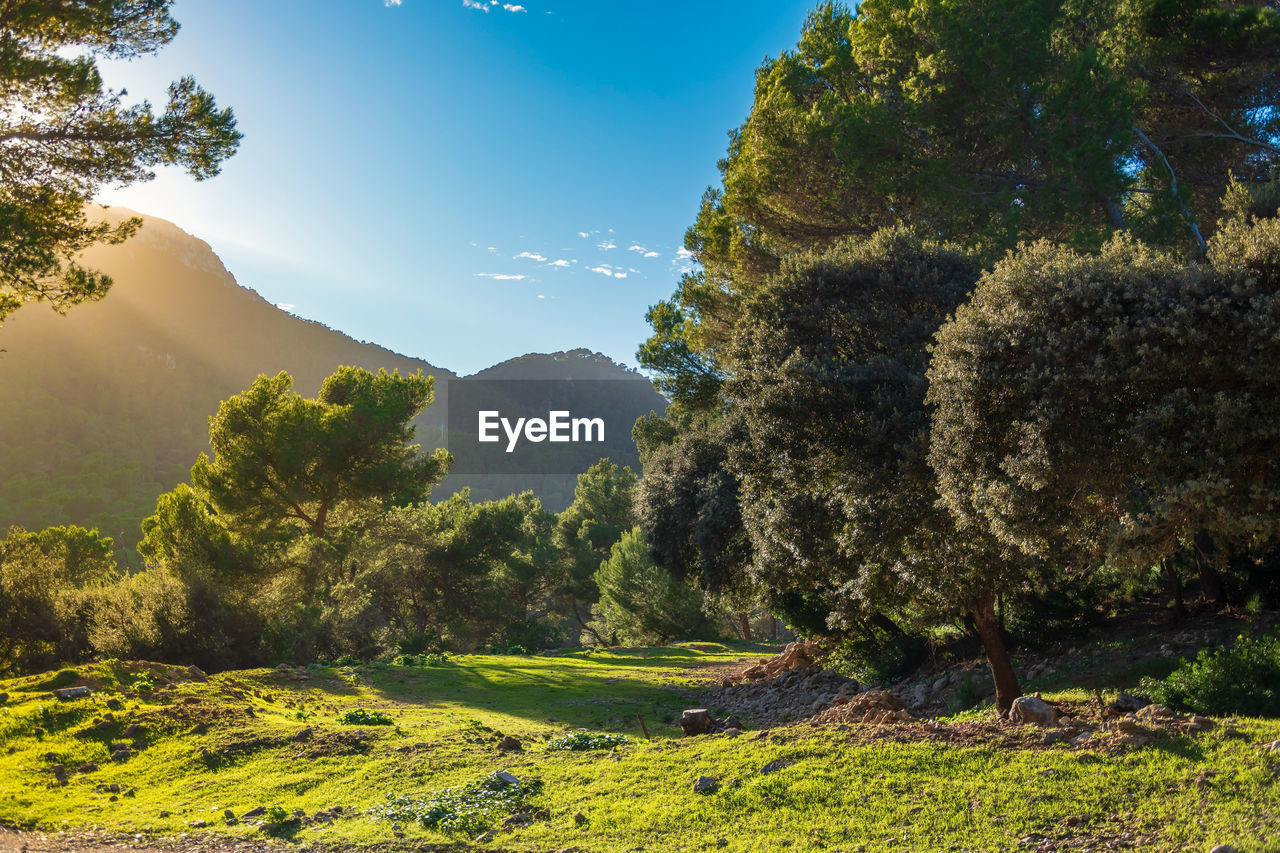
<point>875,707</point>
<point>794,694</point>
<point>798,655</point>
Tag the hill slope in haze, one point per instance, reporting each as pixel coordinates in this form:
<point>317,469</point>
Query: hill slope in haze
<point>107,407</point>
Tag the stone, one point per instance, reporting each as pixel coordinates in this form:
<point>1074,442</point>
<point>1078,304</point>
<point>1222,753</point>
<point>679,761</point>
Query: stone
<point>732,732</point>
<point>482,838</point>
<point>1273,746</point>
<point>776,765</point>
<point>504,776</point>
<point>732,722</point>
<point>1132,740</point>
<point>1224,848</point>
<point>134,730</point>
<point>115,704</point>
<point>66,694</point>
<point>229,815</point>
<point>195,672</point>
<point>579,818</point>
<point>517,820</point>
<point>59,772</point>
<point>256,811</point>
<point>1054,736</point>
<point>696,721</point>
<point>568,850</point>
<point>1200,724</point>
<point>704,785</point>
<point>1083,739</point>
<point>87,767</point>
<point>1129,727</point>
<point>303,735</point>
<point>121,755</point>
<point>199,824</point>
<point>1148,712</point>
<point>940,684</point>
<point>510,744</point>
<point>165,814</point>
<point>4,697</point>
<point>1032,709</point>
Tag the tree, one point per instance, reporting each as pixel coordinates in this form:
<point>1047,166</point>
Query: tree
<point>828,376</point>
<point>1117,406</point>
<point>284,464</point>
<point>46,580</point>
<point>640,602</point>
<point>63,136</point>
<point>603,509</point>
<point>989,122</point>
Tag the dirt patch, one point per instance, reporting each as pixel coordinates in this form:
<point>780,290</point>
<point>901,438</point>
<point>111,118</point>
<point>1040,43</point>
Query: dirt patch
<point>16,841</point>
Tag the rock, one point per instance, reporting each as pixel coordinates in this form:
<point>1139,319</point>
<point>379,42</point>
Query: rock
<point>4,697</point>
<point>1083,739</point>
<point>68,693</point>
<point>704,785</point>
<point>87,767</point>
<point>229,815</point>
<point>1224,848</point>
<point>195,672</point>
<point>1273,746</point>
<point>1136,740</point>
<point>1150,712</point>
<point>941,683</point>
<point>696,721</point>
<point>776,765</point>
<point>542,814</point>
<point>303,735</point>
<point>1129,727</point>
<point>115,704</point>
<point>1054,736</point>
<point>732,732</point>
<point>579,818</point>
<point>122,755</point>
<point>254,812</point>
<point>568,850</point>
<point>510,744</point>
<point>59,772</point>
<point>504,776</point>
<point>517,820</point>
<point>732,722</point>
<point>1032,709</point>
<point>165,814</point>
<point>199,824</point>
<point>1200,724</point>
<point>133,730</point>
<point>920,695</point>
<point>482,838</point>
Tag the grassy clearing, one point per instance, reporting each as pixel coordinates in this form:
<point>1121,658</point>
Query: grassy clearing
<point>203,752</point>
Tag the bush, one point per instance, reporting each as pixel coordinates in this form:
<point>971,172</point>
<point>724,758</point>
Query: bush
<point>361,717</point>
<point>877,658</point>
<point>583,740</point>
<point>467,809</point>
<point>1243,679</point>
<point>432,659</point>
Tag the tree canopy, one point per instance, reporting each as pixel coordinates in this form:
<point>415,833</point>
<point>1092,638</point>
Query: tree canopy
<point>64,135</point>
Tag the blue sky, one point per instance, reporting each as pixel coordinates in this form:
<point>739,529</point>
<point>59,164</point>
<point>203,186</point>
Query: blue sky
<point>458,184</point>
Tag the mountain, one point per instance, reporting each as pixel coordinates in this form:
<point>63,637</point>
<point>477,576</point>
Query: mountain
<point>104,409</point>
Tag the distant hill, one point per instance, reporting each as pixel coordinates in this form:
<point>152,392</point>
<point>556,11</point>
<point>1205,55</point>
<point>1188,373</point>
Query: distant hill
<point>107,407</point>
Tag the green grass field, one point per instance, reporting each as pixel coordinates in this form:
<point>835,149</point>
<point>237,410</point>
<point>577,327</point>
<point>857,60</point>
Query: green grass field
<point>265,738</point>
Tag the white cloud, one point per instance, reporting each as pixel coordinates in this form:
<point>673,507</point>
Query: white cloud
<point>289,306</point>
<point>619,275</point>
<point>391,3</point>
<point>605,269</point>
<point>636,247</point>
<point>474,4</point>
<point>583,234</point>
<point>653,254</point>
<point>559,263</point>
<point>601,270</point>
<point>682,252</point>
<point>511,7</point>
<point>493,248</point>
<point>497,276</point>
<point>533,256</point>
<point>540,296</point>
<point>607,245</point>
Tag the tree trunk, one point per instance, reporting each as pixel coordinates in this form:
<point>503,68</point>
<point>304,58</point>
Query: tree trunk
<point>773,627</point>
<point>1174,585</point>
<point>884,623</point>
<point>1210,579</point>
<point>744,621</point>
<point>1002,673</point>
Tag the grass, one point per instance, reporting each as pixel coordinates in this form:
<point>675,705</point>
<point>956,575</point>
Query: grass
<point>203,753</point>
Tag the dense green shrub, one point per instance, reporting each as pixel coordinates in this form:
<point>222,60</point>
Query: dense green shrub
<point>361,717</point>
<point>877,658</point>
<point>1242,679</point>
<point>582,740</point>
<point>465,809</point>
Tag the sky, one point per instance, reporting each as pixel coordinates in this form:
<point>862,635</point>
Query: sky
<point>463,181</point>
